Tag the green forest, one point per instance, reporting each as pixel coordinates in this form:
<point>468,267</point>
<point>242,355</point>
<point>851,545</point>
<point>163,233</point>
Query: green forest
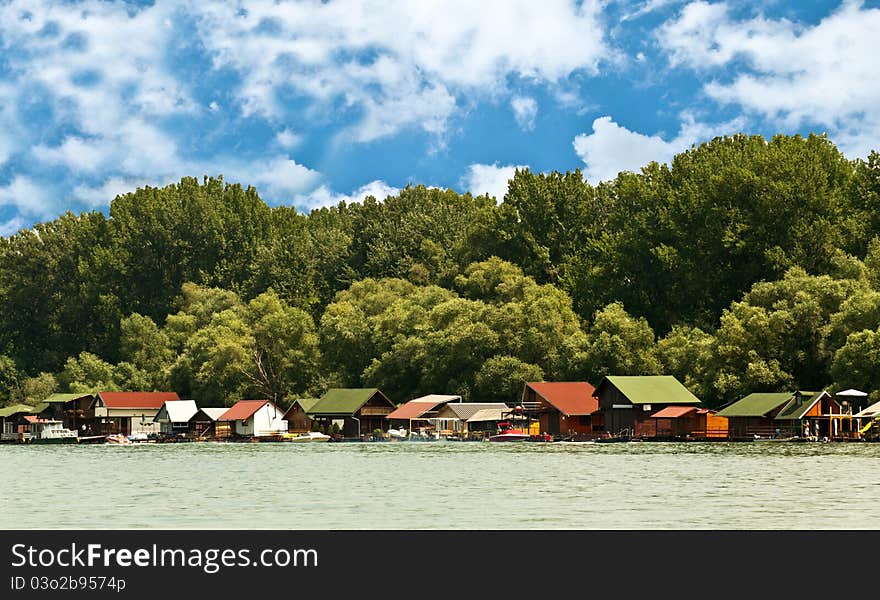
<point>744,265</point>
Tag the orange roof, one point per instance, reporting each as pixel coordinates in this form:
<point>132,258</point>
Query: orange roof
<point>136,399</point>
<point>571,398</point>
<point>673,412</point>
<point>412,410</point>
<point>243,409</point>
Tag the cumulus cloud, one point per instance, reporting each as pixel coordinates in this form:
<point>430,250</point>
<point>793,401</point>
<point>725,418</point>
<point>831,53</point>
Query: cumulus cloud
<point>612,148</point>
<point>491,179</point>
<point>401,64</point>
<point>795,74</point>
<point>525,110</point>
<point>27,197</point>
<point>11,226</point>
<point>324,196</point>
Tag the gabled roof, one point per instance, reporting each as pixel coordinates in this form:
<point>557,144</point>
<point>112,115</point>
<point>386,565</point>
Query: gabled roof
<point>304,403</point>
<point>345,401</point>
<point>177,411</point>
<point>674,412</point>
<point>488,414</point>
<point>869,411</point>
<point>243,409</point>
<point>465,410</point>
<point>62,398</point>
<point>212,413</point>
<point>15,409</point>
<point>417,407</point>
<point>571,398</point>
<point>148,400</point>
<point>650,389</point>
<point>797,408</point>
<point>756,405</point>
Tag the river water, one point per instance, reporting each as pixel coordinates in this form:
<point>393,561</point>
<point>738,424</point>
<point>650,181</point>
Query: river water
<point>441,485</point>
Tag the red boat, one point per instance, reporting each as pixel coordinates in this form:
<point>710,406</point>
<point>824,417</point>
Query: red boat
<point>507,433</point>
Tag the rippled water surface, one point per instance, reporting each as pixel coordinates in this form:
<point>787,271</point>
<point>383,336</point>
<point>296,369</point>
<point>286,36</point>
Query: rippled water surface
<point>441,485</point>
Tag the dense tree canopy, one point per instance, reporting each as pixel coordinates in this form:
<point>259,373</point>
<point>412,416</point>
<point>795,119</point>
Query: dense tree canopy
<point>745,264</point>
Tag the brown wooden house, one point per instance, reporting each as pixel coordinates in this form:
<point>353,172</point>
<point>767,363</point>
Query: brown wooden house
<point>628,402</point>
<point>687,422</point>
<point>297,416</point>
<point>565,409</point>
<point>356,411</point>
<point>74,411</point>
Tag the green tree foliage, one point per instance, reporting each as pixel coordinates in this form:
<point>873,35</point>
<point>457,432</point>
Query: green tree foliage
<point>856,364</point>
<point>9,378</point>
<point>33,390</point>
<point>87,373</point>
<point>502,378</point>
<point>619,344</point>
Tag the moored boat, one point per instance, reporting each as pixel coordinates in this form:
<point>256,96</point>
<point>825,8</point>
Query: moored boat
<point>507,433</point>
<point>309,436</point>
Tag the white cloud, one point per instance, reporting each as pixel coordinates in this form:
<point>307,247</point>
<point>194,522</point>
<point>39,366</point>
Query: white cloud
<point>27,197</point>
<point>489,179</point>
<point>525,110</point>
<point>288,139</point>
<point>324,196</point>
<point>402,64</point>
<point>611,148</point>
<point>11,226</point>
<point>796,74</point>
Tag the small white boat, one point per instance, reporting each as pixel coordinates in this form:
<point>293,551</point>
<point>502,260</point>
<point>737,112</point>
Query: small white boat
<point>310,436</point>
<point>398,434</point>
<point>118,438</point>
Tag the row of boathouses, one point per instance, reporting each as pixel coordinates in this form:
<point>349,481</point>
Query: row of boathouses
<point>620,407</point>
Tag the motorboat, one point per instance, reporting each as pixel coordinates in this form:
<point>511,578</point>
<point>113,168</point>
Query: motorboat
<point>50,431</point>
<point>118,439</point>
<point>309,436</point>
<point>507,433</point>
<point>398,434</point>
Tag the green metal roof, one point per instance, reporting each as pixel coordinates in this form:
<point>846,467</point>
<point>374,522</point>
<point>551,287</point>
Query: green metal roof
<point>342,401</point>
<point>8,411</point>
<point>755,405</point>
<point>796,410</point>
<point>61,398</point>
<point>652,389</point>
<point>306,403</point>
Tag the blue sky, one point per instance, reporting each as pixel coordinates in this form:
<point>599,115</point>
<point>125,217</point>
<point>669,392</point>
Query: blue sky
<point>316,102</point>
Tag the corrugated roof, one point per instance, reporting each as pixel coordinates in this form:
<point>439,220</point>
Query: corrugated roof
<point>243,409</point>
<point>213,413</point>
<point>465,410</point>
<point>674,412</point>
<point>796,409</point>
<point>151,400</point>
<point>869,411</point>
<point>651,389</point>
<point>756,405</point>
<point>571,398</point>
<point>344,401</point>
<point>15,409</point>
<point>417,407</point>
<point>488,414</point>
<point>62,398</point>
<point>177,411</point>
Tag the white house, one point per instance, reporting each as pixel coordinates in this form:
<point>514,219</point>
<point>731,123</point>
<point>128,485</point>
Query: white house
<point>174,415</point>
<point>255,418</point>
<point>129,413</point>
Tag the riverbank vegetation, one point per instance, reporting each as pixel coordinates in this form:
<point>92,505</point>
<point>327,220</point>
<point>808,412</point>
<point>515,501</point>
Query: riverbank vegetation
<point>744,265</point>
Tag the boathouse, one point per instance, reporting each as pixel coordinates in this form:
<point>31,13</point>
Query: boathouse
<point>688,423</point>
<point>814,414</point>
<point>128,413</point>
<point>627,402</point>
<point>420,412</point>
<point>174,416</point>
<point>297,417</point>
<point>565,409</point>
<point>753,415</point>
<point>13,425</point>
<point>204,423</point>
<point>73,410</point>
<point>356,411</point>
<point>253,418</point>
<point>470,419</point>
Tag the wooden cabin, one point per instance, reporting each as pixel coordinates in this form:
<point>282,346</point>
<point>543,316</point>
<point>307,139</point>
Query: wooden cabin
<point>73,410</point>
<point>254,419</point>
<point>627,402</point>
<point>297,416</point>
<point>755,415</point>
<point>420,412</point>
<point>566,409</point>
<point>357,411</point>
<point>129,413</point>
<point>203,424</point>
<point>13,425</point>
<point>812,414</point>
<point>688,423</point>
<point>174,417</point>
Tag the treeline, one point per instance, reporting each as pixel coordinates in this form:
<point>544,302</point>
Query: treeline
<point>744,265</point>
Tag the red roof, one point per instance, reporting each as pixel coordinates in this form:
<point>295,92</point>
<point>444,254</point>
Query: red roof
<point>36,419</point>
<point>571,398</point>
<point>413,409</point>
<point>243,409</point>
<point>673,412</point>
<point>137,399</point>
